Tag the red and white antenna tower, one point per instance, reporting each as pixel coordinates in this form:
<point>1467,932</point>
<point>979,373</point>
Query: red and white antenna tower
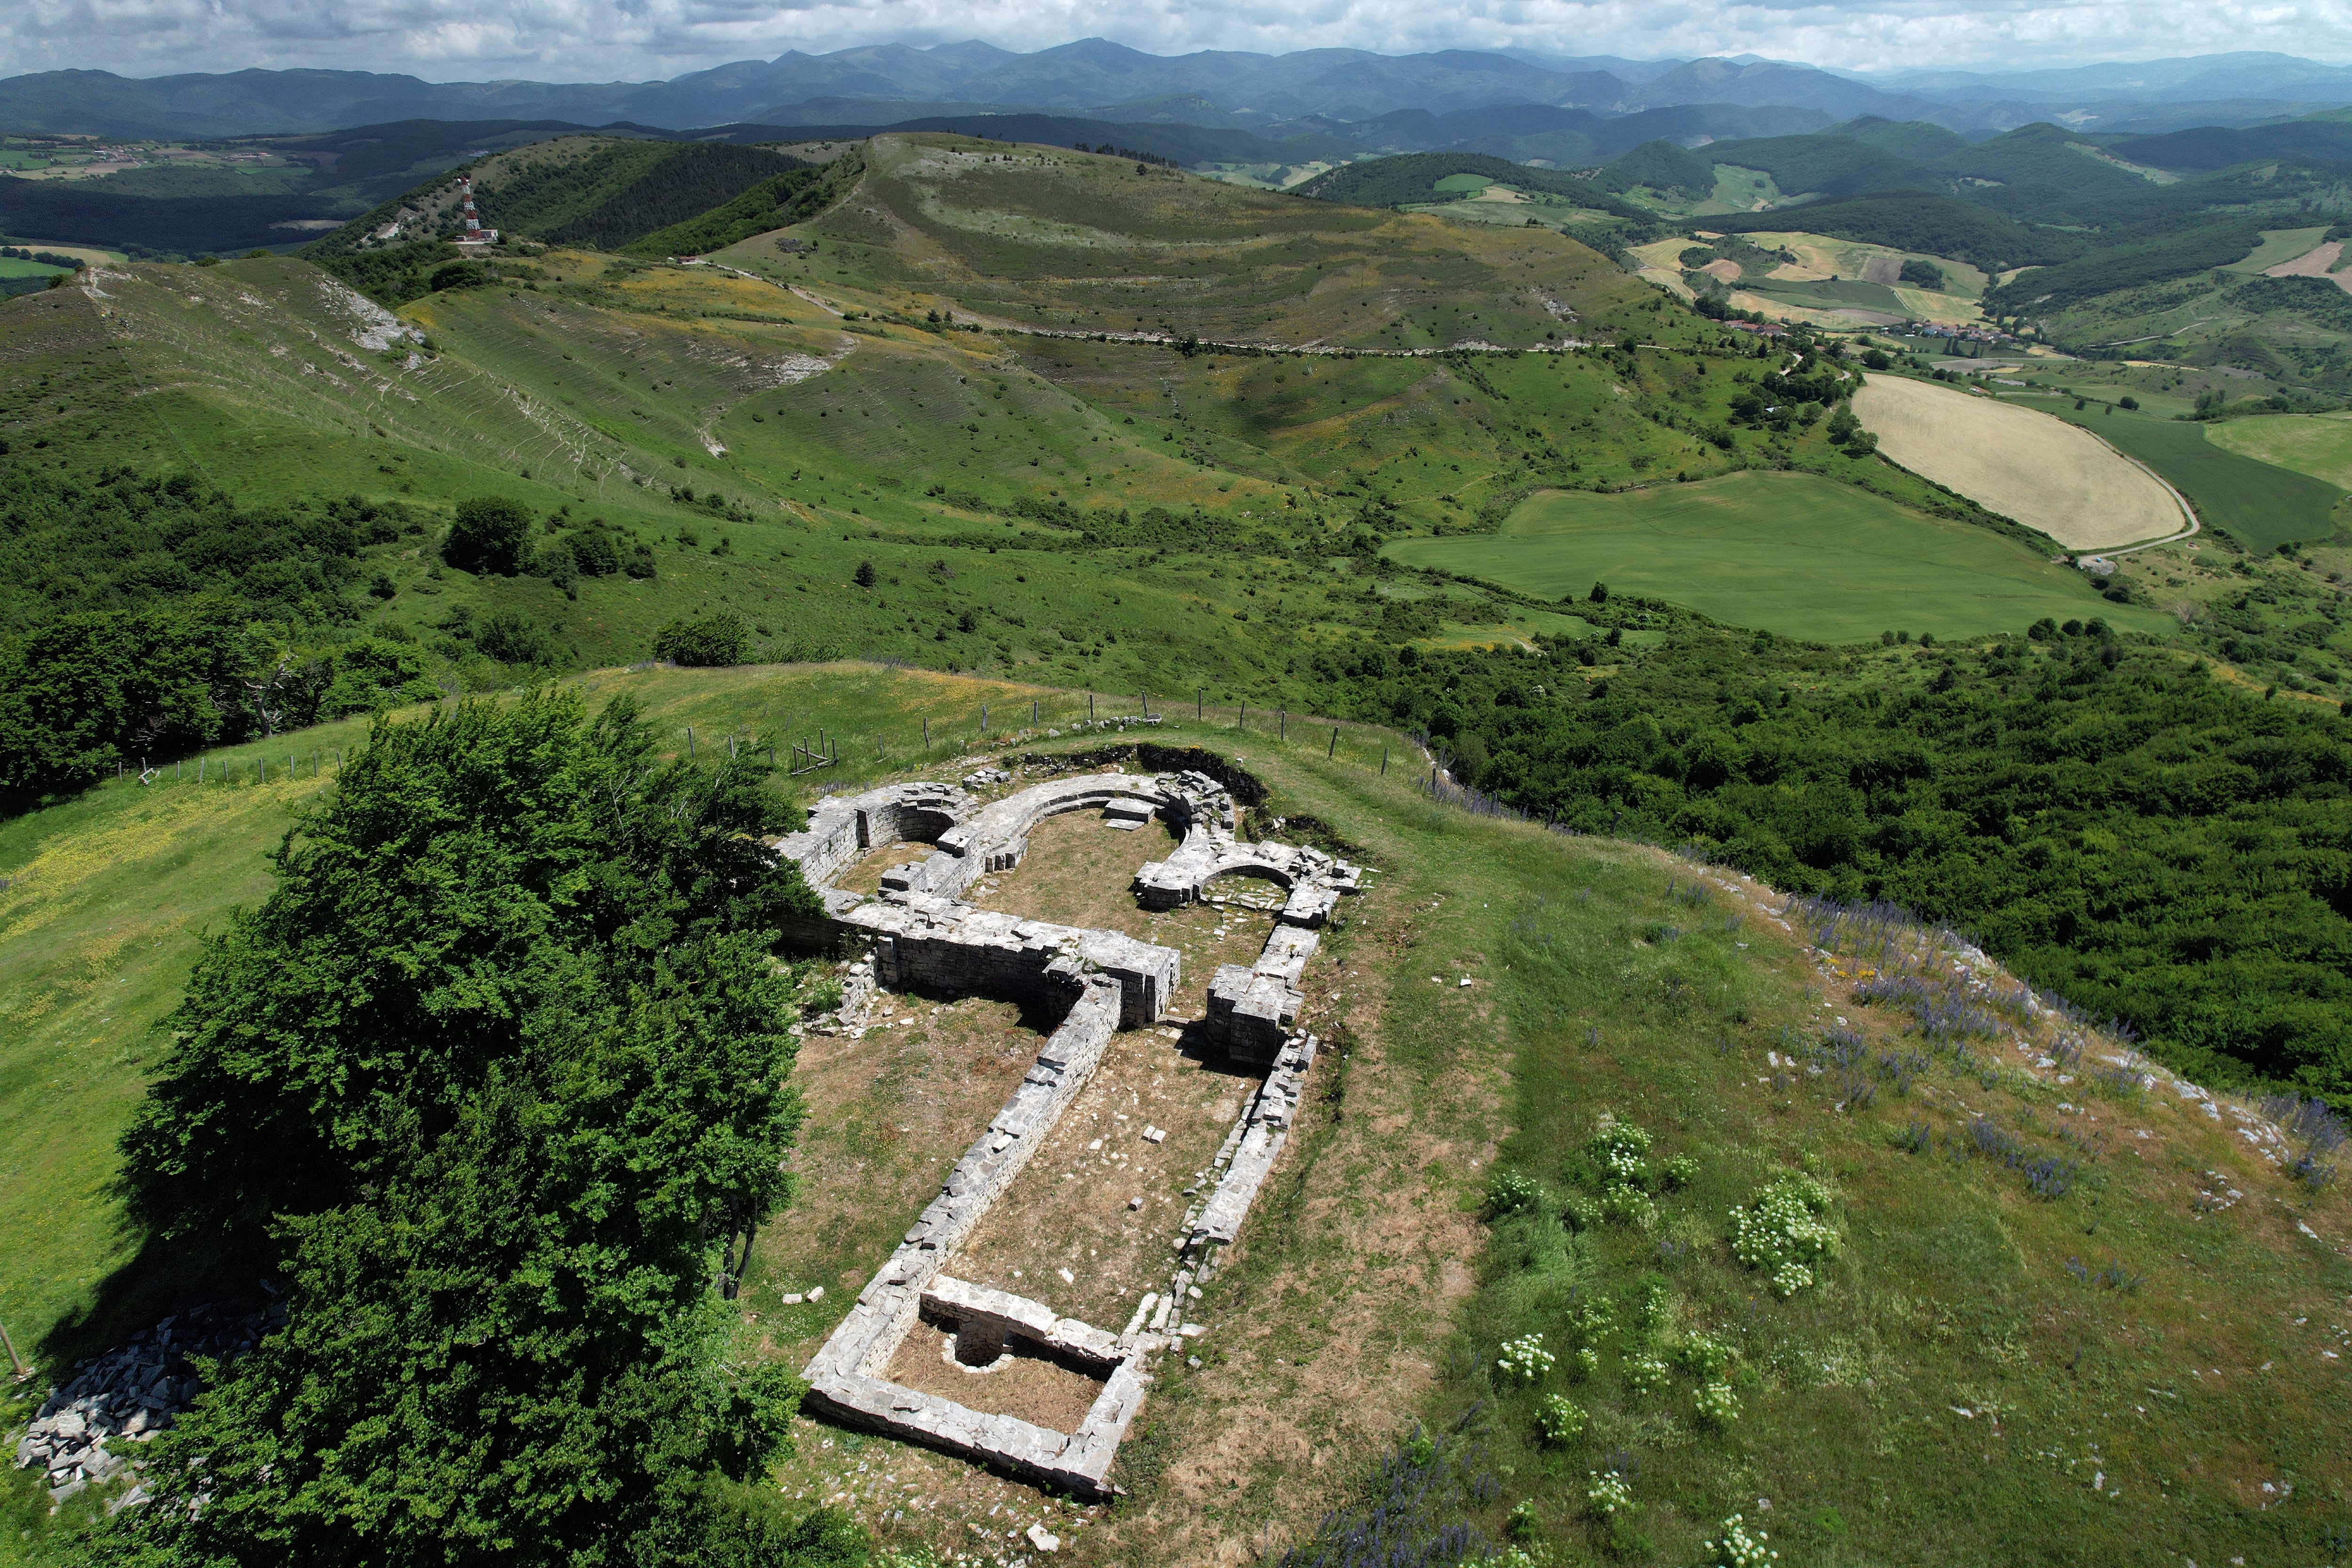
<point>474,234</point>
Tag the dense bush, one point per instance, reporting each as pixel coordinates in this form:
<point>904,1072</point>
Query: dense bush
<point>492,1080</point>
<point>489,535</point>
<point>2119,828</point>
<point>705,641</point>
<point>514,638</point>
<point>121,540</point>
<point>593,553</point>
<point>147,617</point>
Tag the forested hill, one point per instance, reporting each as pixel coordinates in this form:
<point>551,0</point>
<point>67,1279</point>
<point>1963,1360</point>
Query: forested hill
<point>2114,822</point>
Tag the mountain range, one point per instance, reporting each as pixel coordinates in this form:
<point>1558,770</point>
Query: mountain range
<point>883,83</point>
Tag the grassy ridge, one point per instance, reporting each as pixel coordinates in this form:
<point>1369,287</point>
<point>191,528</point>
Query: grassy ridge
<point>762,436</point>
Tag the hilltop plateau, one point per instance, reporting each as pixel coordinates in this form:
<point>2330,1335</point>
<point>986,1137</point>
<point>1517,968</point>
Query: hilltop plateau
<point>2102,1308</point>
<point>1654,1167</point>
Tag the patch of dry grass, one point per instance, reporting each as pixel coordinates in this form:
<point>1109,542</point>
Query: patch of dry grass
<point>2043,472</point>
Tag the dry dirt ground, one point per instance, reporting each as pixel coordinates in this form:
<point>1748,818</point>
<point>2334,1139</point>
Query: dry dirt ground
<point>1068,1231</point>
<point>2043,472</point>
<point>1326,1325</point>
<point>2320,261</point>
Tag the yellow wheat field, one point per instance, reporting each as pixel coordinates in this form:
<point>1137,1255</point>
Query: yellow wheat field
<point>2043,472</point>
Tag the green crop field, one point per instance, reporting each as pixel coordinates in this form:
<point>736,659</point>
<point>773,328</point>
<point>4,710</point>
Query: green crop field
<point>1796,556</point>
<point>1827,294</point>
<point>2319,445</point>
<point>2257,503</point>
<point>2278,245</point>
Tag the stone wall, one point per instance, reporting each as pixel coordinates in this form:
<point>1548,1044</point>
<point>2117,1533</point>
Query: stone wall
<point>842,1377</point>
<point>922,942</point>
<point>841,827</point>
<point>924,936</point>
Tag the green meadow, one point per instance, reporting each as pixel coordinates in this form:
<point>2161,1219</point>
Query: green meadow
<point>2319,445</point>
<point>1795,555</point>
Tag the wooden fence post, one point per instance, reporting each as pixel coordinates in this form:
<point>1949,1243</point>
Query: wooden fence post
<point>1333,750</point>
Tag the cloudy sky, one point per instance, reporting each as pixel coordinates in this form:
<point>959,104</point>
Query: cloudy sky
<point>589,40</point>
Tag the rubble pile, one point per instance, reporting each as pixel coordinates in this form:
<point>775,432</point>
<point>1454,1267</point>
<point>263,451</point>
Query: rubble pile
<point>126,1396</point>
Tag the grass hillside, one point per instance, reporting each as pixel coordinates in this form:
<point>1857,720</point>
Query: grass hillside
<point>2055,1311</point>
<point>762,425</point>
<point>1045,237</point>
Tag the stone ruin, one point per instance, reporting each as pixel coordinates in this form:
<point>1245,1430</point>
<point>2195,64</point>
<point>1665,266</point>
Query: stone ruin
<point>923,933</point>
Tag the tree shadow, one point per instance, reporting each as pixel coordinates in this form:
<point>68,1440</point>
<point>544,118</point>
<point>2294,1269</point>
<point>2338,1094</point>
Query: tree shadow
<point>159,1278</point>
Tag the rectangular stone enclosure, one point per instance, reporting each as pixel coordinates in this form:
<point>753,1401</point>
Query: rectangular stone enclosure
<point>921,933</point>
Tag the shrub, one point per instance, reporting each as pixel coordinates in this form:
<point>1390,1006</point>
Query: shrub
<point>1629,1206</point>
<point>1559,1419</point>
<point>487,535</point>
<point>1509,1192</point>
<point>1739,1549</point>
<point>1525,1360</point>
<point>1781,1230</point>
<point>1678,1173</point>
<point>593,553</point>
<point>703,643</point>
<point>1703,1355</point>
<point>1652,1304</point>
<point>1608,1494</point>
<point>1717,1407</point>
<point>1646,1375</point>
<point>1617,1151</point>
<point>513,638</point>
<point>1585,1363</point>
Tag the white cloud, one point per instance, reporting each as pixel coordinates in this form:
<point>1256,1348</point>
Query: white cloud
<point>637,40</point>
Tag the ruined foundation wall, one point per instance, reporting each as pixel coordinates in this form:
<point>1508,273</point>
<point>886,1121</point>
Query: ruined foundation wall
<point>925,936</point>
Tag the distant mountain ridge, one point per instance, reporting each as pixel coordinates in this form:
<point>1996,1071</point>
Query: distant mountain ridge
<point>1233,89</point>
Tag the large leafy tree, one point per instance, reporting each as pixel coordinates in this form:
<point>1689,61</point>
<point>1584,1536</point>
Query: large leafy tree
<point>494,1073</point>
